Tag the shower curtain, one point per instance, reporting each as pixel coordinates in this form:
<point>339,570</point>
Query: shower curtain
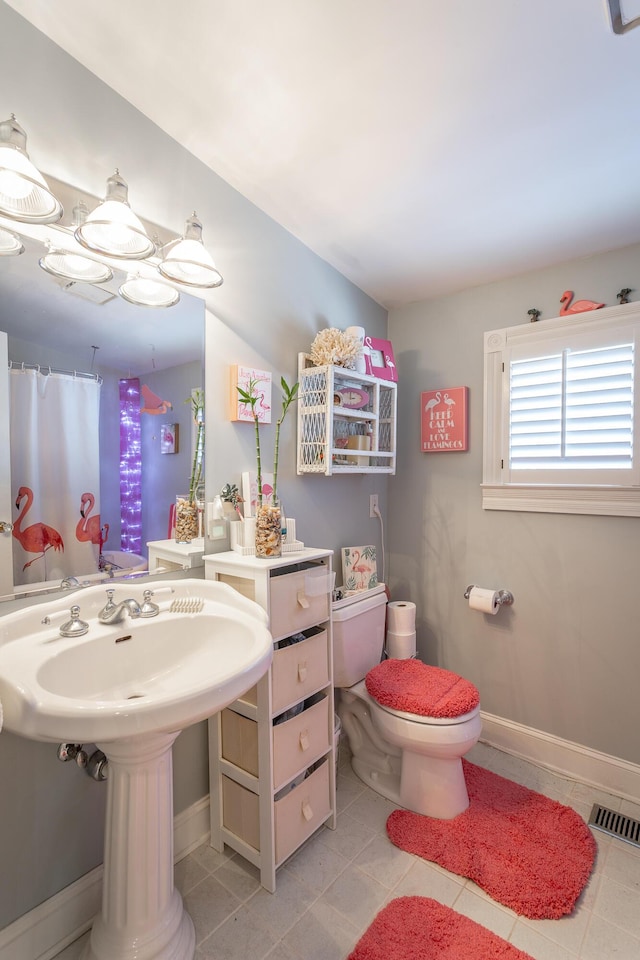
<point>55,474</point>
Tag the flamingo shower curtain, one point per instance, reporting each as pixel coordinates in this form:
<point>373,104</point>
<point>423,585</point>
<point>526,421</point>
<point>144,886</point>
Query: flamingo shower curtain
<point>55,474</point>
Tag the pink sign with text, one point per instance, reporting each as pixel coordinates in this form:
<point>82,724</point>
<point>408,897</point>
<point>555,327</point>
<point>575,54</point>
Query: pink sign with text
<point>443,418</point>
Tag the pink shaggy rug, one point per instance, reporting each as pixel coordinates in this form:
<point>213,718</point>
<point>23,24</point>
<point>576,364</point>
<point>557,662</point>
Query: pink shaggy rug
<point>418,928</point>
<point>528,852</point>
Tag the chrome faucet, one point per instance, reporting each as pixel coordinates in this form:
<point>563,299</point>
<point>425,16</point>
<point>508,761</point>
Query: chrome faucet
<point>115,612</point>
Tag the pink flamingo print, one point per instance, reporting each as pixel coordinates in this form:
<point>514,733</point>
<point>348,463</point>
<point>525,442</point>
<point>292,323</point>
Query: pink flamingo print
<point>88,528</point>
<point>360,568</point>
<point>38,538</point>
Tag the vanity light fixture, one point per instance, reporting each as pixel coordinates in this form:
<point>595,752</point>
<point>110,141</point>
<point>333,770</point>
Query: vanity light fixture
<point>75,266</point>
<point>188,261</point>
<point>145,292</point>
<point>10,245</point>
<point>24,193</point>
<point>113,229</point>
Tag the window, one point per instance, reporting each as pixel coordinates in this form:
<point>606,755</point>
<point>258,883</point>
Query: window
<point>561,424</point>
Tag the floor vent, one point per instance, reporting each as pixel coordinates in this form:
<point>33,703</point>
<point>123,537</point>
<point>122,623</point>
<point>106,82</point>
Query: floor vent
<point>615,824</point>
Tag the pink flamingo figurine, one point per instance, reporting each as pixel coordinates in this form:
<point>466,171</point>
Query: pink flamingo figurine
<point>578,307</point>
<point>152,403</point>
<point>88,528</point>
<point>38,538</point>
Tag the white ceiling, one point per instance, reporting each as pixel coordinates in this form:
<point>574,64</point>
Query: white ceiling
<point>420,147</point>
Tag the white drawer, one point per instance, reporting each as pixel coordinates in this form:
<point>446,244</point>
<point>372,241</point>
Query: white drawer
<point>299,600</point>
<point>301,811</point>
<point>298,742</point>
<point>299,670</point>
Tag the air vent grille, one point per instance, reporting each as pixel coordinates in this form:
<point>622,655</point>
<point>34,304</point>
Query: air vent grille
<point>615,824</point>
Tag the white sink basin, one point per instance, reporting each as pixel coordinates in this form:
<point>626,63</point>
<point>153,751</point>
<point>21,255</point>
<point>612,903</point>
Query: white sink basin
<point>135,677</point>
<point>130,687</point>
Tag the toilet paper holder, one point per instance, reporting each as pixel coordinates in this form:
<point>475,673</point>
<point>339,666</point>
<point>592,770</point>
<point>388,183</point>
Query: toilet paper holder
<point>503,597</point>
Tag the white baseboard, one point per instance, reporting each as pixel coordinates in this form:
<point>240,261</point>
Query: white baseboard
<point>611,774</point>
<point>51,926</point>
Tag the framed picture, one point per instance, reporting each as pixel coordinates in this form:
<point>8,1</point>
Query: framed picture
<point>359,568</point>
<point>256,382</point>
<point>169,438</point>
<point>443,420</point>
<point>379,360</point>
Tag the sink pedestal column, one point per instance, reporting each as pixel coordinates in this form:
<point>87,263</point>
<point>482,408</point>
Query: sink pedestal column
<point>142,917</point>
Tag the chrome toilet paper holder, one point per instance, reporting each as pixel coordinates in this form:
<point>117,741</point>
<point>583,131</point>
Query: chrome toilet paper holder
<point>503,597</point>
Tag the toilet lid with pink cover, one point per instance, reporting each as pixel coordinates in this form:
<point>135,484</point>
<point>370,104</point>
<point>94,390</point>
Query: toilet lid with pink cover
<point>415,687</point>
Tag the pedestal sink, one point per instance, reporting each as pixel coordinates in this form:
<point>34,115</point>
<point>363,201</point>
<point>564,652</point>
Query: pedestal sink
<point>131,687</point>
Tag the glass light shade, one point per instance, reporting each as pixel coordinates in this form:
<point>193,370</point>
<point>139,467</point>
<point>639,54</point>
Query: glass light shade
<point>10,245</point>
<point>24,194</point>
<point>148,293</point>
<point>73,266</point>
<point>187,261</point>
<point>113,229</point>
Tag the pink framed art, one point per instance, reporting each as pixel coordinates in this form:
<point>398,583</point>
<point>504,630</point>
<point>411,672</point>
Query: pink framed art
<point>443,420</point>
<point>379,360</point>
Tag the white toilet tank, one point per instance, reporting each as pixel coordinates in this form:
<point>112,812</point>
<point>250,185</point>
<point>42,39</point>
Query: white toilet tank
<point>358,634</point>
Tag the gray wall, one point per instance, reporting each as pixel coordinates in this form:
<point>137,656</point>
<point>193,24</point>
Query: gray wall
<point>565,658</point>
<point>276,296</point>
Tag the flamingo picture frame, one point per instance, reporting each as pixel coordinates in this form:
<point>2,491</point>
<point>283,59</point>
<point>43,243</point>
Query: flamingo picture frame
<point>379,360</point>
<point>258,384</point>
<point>359,568</point>
<point>444,419</point>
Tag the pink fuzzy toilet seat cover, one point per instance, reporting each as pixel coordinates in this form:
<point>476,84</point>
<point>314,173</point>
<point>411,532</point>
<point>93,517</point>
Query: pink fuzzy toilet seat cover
<point>416,687</point>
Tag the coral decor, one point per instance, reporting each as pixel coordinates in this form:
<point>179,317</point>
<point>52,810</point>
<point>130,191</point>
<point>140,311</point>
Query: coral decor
<point>579,306</point>
<point>419,928</point>
<point>416,687</point>
<point>528,852</point>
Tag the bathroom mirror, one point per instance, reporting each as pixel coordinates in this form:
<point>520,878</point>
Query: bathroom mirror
<point>90,329</point>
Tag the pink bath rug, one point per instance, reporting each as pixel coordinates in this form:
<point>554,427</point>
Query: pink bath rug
<point>416,687</point>
<point>528,852</point>
<point>418,928</point>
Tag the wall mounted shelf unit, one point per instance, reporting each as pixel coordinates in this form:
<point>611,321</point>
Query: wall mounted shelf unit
<point>272,761</point>
<point>346,421</point>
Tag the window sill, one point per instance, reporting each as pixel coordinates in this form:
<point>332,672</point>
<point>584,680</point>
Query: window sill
<point>542,498</point>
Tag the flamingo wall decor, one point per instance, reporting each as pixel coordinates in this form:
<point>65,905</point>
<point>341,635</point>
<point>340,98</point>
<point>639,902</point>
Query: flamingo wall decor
<point>258,384</point>
<point>578,306</point>
<point>37,538</point>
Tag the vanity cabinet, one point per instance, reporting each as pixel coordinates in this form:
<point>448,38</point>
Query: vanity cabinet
<point>272,761</point>
<point>165,555</point>
<point>346,421</point>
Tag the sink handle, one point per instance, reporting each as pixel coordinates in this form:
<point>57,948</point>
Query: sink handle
<point>148,608</point>
<point>75,627</point>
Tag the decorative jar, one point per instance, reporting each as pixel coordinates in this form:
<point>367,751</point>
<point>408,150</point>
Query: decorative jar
<point>186,522</point>
<point>269,529</point>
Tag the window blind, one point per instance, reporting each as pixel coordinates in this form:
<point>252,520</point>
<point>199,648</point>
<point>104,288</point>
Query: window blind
<point>572,410</point>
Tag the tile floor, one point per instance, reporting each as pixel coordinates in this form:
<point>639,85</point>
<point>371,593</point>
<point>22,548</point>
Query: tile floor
<point>331,889</point>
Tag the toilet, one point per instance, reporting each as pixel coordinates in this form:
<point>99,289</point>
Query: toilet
<point>408,724</point>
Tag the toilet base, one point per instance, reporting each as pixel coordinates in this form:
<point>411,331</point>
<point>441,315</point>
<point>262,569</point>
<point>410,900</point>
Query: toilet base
<point>386,783</point>
<point>433,786</point>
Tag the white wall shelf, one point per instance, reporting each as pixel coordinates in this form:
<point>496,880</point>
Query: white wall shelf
<point>329,431</point>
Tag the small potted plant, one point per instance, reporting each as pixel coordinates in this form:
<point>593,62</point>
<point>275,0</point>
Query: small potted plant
<point>231,500</point>
<point>268,511</point>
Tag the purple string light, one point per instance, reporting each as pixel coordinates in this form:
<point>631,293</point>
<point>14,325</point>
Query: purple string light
<point>130,466</point>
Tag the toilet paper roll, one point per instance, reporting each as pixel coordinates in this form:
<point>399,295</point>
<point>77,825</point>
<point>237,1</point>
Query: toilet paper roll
<point>484,600</point>
<point>400,646</point>
<point>401,616</point>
